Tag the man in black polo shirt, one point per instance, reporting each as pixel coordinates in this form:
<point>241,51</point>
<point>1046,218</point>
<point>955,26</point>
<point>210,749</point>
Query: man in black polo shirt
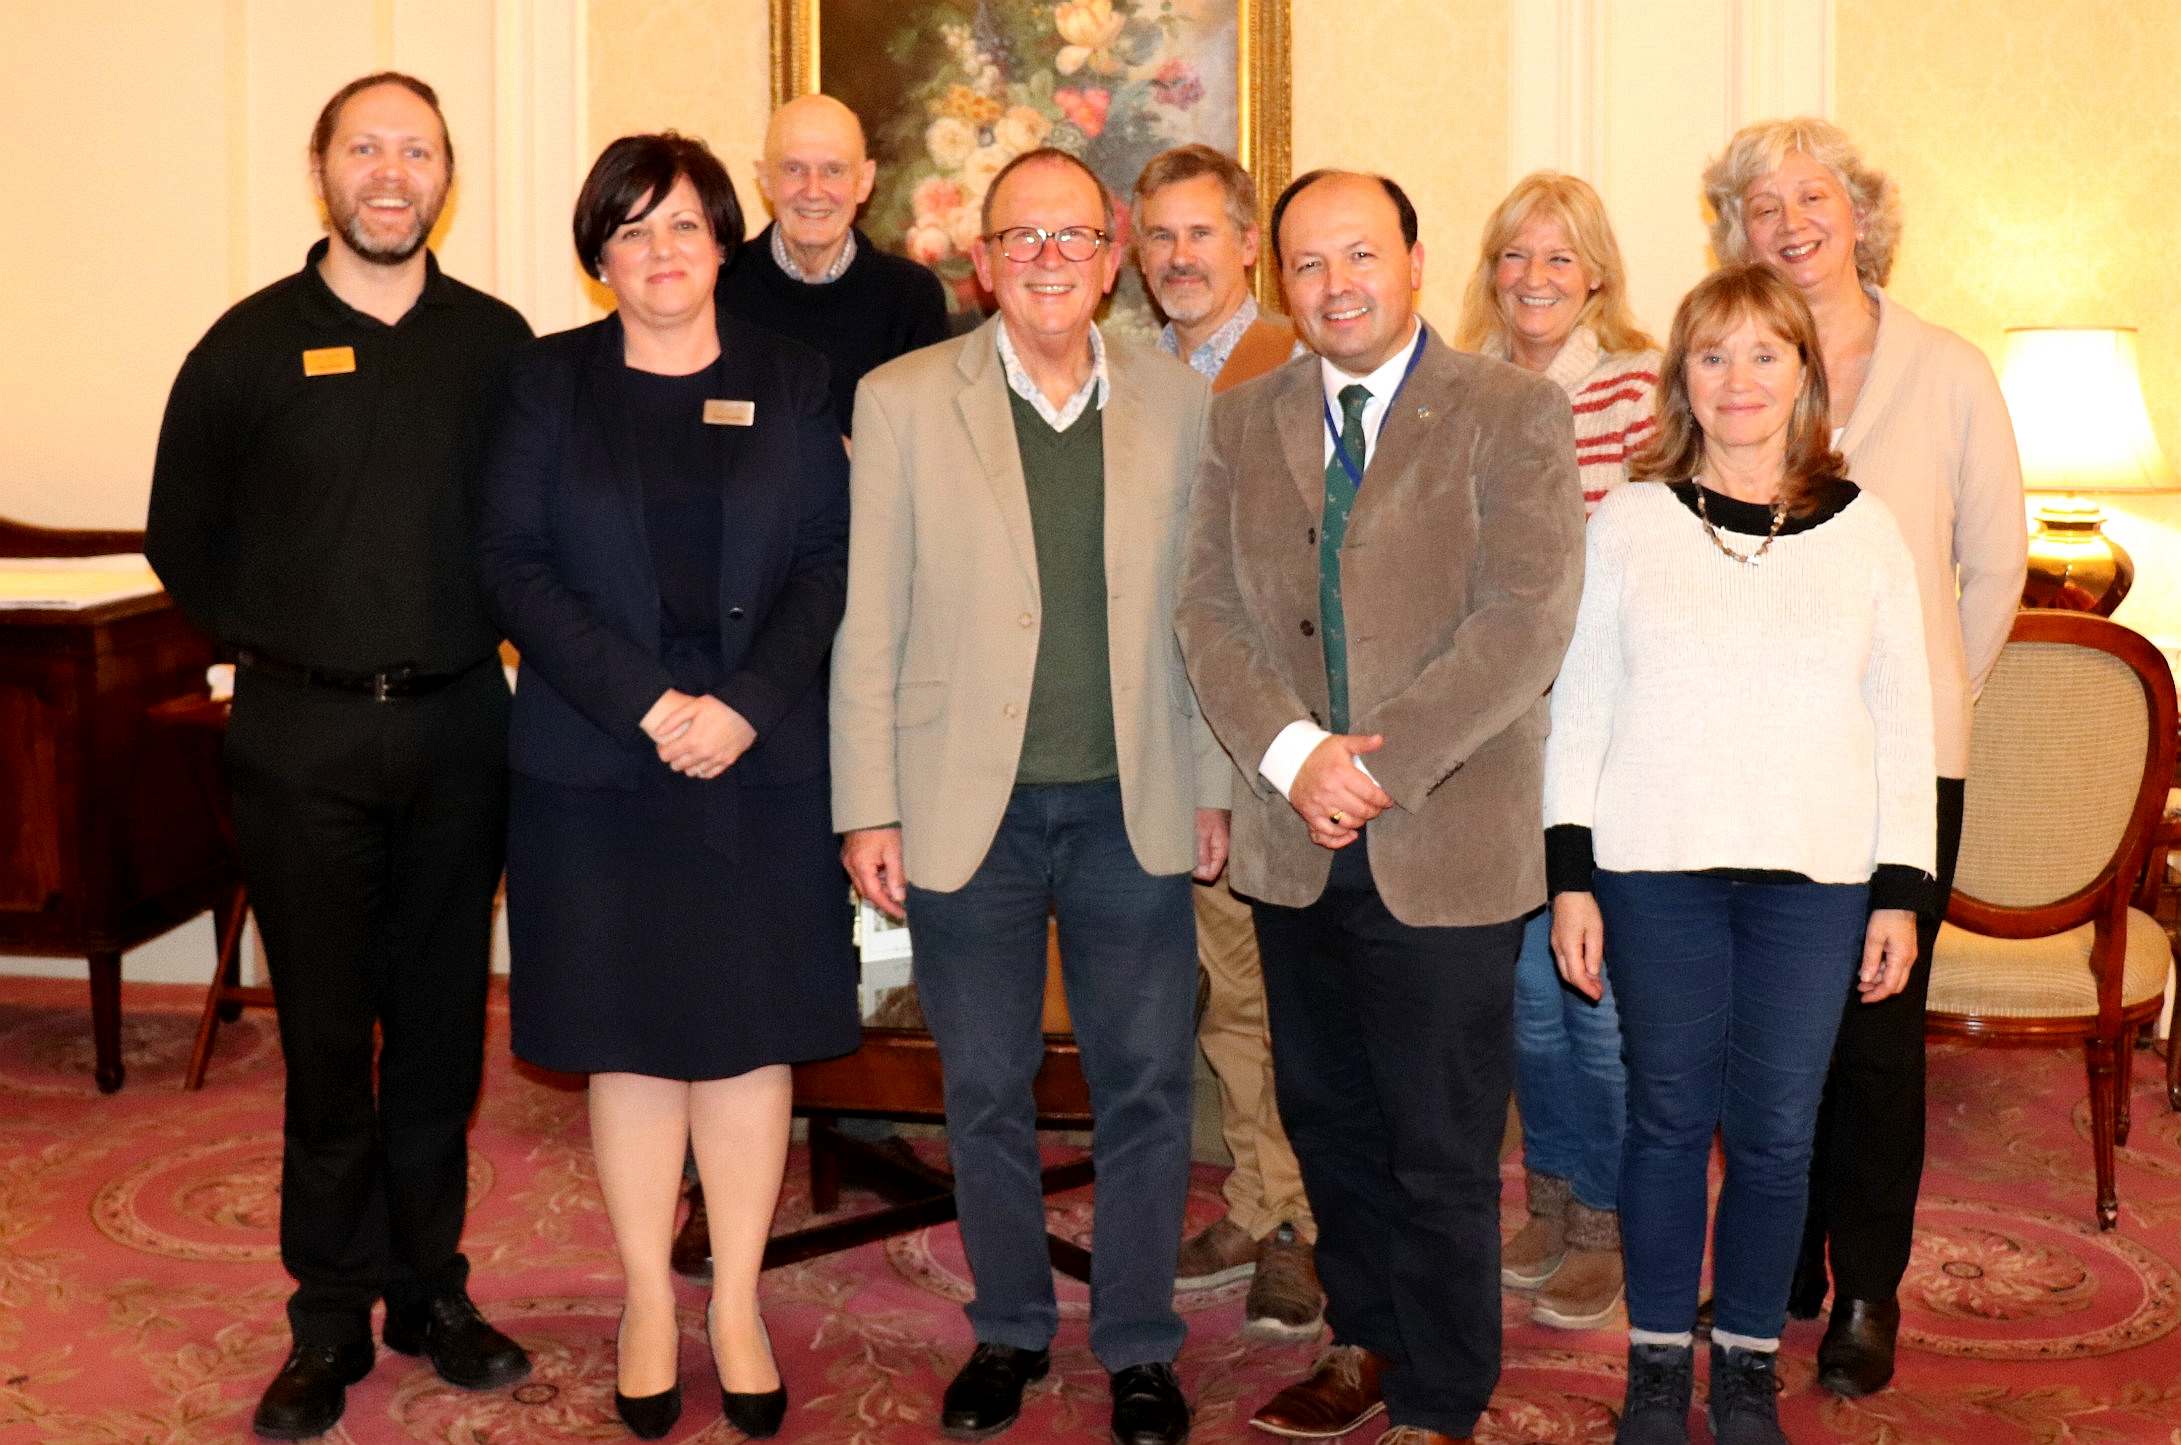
<point>312,508</point>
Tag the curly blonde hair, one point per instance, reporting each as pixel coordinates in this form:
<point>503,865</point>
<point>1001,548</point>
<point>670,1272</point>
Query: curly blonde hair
<point>1757,150</point>
<point>1582,216</point>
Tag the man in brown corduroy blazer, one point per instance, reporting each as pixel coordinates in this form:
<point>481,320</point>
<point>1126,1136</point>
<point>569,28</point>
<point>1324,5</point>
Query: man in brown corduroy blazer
<point>1384,557</point>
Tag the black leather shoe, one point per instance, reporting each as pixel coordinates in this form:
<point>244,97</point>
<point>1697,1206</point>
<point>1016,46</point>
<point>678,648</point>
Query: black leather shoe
<point>306,1398</point>
<point>986,1396</point>
<point>466,1351</point>
<point>650,1416</point>
<point>1148,1408</point>
<point>1856,1355</point>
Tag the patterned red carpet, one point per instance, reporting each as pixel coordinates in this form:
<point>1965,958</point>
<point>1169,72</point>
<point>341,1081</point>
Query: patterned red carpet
<point>140,1292</point>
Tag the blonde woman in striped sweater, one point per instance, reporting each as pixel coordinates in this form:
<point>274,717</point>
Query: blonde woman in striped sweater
<point>1549,294</point>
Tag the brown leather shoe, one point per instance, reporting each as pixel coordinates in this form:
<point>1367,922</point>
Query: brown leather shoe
<point>692,1253</point>
<point>1341,1393</point>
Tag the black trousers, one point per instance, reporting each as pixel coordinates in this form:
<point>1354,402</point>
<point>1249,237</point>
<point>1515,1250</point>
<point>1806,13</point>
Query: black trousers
<point>1869,1160</point>
<point>1396,1055</point>
<point>371,836</point>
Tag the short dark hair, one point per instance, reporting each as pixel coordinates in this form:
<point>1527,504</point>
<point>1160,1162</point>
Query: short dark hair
<point>637,168</point>
<point>1307,179</point>
<point>1047,155</point>
<point>329,117</point>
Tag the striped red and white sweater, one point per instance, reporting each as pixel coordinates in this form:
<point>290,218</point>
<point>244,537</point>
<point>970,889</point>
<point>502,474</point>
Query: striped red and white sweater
<point>1615,401</point>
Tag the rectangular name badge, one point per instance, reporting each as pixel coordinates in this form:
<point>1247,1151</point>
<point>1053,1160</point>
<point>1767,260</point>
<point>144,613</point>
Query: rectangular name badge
<point>729,413</point>
<point>329,361</point>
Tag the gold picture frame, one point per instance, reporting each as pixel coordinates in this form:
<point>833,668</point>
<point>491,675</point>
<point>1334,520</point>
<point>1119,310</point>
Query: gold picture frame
<point>1084,93</point>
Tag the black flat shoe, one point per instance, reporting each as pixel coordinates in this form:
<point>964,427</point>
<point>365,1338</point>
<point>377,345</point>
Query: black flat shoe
<point>649,1416</point>
<point>1148,1408</point>
<point>308,1395</point>
<point>1856,1356</point>
<point>464,1348</point>
<point>986,1394</point>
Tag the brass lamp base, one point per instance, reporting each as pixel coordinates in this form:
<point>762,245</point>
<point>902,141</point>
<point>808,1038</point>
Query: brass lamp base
<point>2073,564</point>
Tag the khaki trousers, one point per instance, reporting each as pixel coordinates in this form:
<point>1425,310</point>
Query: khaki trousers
<point>1265,1190</point>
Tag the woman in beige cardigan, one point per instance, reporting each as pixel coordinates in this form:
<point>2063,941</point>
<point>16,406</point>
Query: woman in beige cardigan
<point>1918,415</point>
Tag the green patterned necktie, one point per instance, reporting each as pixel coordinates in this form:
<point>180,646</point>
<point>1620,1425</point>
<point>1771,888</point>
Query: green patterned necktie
<point>1340,499</point>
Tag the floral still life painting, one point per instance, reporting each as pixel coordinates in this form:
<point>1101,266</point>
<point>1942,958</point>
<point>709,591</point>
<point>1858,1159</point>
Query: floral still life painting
<point>951,90</point>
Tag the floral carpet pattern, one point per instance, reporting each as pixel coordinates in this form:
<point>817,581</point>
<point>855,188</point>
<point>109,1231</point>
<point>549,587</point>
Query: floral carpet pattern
<point>141,1291</point>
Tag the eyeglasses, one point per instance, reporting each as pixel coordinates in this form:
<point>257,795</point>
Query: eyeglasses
<point>1027,243</point>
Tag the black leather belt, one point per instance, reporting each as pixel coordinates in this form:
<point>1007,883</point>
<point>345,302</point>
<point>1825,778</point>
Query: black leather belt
<point>396,684</point>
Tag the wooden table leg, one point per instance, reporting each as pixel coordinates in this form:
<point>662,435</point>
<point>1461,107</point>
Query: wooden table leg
<point>106,1020</point>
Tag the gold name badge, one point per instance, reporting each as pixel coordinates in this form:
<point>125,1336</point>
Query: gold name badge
<point>729,413</point>
<point>329,361</point>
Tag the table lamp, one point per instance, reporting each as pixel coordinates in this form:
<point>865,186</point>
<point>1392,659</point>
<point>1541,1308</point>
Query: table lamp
<point>2083,429</point>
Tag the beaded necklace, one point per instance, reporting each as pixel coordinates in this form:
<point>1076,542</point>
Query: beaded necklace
<point>1749,559</point>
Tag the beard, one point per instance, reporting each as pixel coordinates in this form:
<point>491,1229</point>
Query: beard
<point>1189,306</point>
<point>348,215</point>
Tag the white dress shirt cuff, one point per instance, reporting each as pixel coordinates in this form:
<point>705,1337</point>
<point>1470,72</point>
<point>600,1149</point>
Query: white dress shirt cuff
<point>1284,759</point>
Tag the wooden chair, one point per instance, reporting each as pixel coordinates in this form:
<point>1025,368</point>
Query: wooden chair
<point>2049,935</point>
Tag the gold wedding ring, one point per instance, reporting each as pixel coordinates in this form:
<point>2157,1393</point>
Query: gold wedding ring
<point>1335,816</point>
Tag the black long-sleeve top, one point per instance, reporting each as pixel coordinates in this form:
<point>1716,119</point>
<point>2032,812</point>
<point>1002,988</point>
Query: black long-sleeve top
<point>315,492</point>
<point>881,307</point>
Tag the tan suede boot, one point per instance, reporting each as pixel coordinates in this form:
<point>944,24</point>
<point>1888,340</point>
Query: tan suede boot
<point>1529,1259</point>
<point>1585,1292</point>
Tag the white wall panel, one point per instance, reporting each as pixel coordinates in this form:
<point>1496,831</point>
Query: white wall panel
<point>1635,96</point>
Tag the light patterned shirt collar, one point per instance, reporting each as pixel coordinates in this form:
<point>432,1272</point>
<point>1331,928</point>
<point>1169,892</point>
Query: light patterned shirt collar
<point>834,272</point>
<point>1059,418</point>
<point>1209,357</point>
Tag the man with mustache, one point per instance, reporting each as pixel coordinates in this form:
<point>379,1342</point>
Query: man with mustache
<point>1196,240</point>
<point>1384,557</point>
<point>811,275</point>
<point>312,509</point>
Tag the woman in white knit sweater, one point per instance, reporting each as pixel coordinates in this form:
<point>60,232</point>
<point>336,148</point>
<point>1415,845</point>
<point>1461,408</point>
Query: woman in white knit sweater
<point>1920,419</point>
<point>1739,801</point>
<point>1549,294</point>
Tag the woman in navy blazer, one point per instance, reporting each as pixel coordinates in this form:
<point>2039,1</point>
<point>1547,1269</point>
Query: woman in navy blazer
<point>665,538</point>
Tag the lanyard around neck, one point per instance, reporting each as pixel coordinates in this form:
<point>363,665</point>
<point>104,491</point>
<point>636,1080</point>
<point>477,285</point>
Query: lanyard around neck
<point>1348,463</point>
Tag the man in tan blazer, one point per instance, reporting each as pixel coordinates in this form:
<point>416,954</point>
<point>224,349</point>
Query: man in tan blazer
<point>1196,239</point>
<point>1385,551</point>
<point>1013,736</point>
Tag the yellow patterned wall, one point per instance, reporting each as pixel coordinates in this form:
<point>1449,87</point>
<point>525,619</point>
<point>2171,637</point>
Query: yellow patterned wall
<point>1416,88</point>
<point>699,66</point>
<point>2037,148</point>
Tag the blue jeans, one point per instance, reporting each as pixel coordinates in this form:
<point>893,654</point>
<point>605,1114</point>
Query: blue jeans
<point>1569,1083</point>
<point>1129,963</point>
<point>1730,996</point>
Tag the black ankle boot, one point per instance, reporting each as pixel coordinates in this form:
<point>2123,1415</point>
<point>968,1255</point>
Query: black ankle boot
<point>1856,1355</point>
<point>1745,1397</point>
<point>1661,1380</point>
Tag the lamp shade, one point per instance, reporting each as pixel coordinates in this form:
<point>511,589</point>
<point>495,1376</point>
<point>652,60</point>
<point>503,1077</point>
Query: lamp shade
<point>2078,410</point>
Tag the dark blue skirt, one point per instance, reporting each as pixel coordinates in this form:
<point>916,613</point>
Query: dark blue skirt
<point>641,946</point>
